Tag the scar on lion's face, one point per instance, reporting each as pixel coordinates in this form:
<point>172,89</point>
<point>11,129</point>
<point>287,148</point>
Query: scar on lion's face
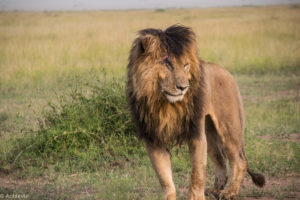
<point>174,77</point>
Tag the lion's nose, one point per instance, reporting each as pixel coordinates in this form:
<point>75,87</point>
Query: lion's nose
<point>181,87</point>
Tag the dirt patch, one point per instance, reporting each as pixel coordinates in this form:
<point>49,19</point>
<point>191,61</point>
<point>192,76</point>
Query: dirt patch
<point>262,198</point>
<point>293,137</point>
<point>7,182</point>
<point>275,188</point>
<point>284,188</point>
<point>46,187</point>
<point>273,182</point>
<point>293,95</point>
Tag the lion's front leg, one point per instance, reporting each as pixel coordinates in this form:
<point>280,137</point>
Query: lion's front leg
<point>161,162</point>
<point>198,154</point>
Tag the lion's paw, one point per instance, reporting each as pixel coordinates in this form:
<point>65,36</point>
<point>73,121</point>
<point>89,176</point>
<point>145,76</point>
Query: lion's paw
<point>227,195</point>
<point>212,191</point>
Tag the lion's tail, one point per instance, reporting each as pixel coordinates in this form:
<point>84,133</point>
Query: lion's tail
<point>258,179</point>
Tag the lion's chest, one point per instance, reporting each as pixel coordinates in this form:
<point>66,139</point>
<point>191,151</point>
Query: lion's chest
<point>167,122</point>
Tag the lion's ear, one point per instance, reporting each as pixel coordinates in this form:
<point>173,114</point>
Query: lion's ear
<point>150,43</point>
<point>145,44</point>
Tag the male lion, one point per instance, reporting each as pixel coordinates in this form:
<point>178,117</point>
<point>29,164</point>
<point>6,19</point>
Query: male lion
<point>175,97</point>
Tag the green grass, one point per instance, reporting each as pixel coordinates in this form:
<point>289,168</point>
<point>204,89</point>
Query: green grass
<point>65,130</point>
<point>89,131</point>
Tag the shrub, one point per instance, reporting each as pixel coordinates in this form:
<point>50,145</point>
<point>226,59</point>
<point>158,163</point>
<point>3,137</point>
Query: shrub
<point>89,127</point>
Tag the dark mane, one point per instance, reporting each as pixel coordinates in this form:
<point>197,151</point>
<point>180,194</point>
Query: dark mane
<point>176,38</point>
<point>183,117</point>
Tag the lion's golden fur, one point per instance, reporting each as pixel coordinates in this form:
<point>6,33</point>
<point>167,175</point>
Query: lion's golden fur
<point>211,109</point>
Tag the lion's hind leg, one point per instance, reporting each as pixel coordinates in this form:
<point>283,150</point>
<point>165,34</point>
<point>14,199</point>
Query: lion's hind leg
<point>239,167</point>
<point>234,149</point>
<point>217,156</point>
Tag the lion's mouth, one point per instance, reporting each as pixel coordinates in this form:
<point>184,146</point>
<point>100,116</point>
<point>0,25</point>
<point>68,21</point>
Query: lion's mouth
<point>173,95</point>
<point>172,98</point>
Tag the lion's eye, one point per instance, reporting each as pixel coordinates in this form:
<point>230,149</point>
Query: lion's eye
<point>186,66</point>
<point>168,64</point>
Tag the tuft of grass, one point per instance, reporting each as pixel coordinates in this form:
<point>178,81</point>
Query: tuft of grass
<point>275,117</point>
<point>274,158</point>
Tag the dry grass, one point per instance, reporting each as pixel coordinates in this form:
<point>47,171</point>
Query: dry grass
<point>35,46</point>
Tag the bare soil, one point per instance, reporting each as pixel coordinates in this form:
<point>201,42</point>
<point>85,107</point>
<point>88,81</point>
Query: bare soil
<point>293,137</point>
<point>275,188</point>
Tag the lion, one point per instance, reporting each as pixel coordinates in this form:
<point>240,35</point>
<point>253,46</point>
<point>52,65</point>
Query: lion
<point>174,98</point>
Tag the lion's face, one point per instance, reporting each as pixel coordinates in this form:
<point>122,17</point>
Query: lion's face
<point>163,66</point>
<point>174,78</point>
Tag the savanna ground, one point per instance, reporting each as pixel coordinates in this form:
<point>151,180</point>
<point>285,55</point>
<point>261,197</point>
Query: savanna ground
<point>65,132</point>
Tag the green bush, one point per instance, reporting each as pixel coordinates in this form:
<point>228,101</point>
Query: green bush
<point>89,127</point>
